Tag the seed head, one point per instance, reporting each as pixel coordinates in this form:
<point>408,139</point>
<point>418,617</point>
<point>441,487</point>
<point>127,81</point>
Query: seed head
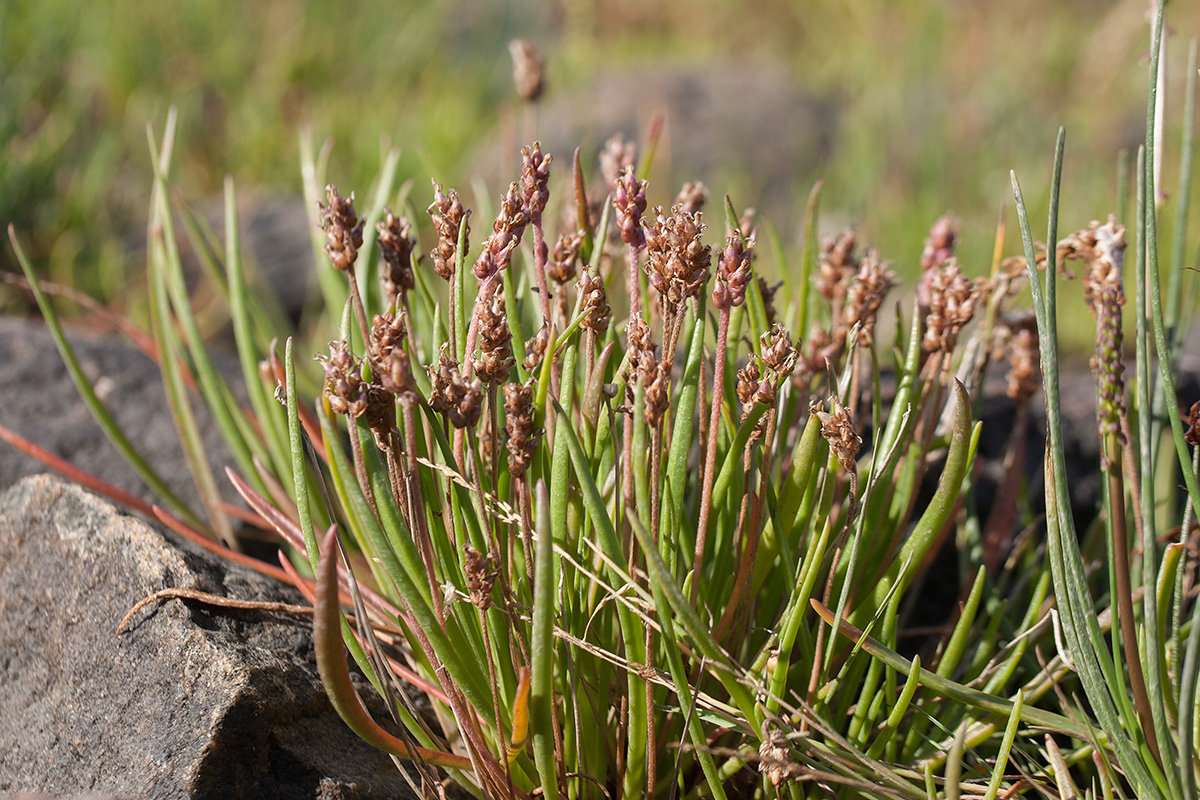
<point>529,78</point>
<point>1192,420</point>
<point>595,304</point>
<point>821,346</point>
<point>747,382</point>
<point>779,354</point>
<point>396,246</point>
<point>838,429</point>
<point>768,297</point>
<point>677,260</point>
<point>448,215</point>
<point>865,296</point>
<point>657,380</point>
<point>1102,248</point>
<point>952,298</point>
<point>535,348</point>
<point>495,339</point>
<point>535,179</point>
<point>617,156</point>
<point>691,197</point>
<point>505,237</point>
<point>639,343</point>
<point>389,360</point>
<point>629,199</point>
<point>343,229</point>
<point>837,265</point>
<point>774,760</point>
<point>564,257</point>
<point>940,244</point>
<point>481,577</point>
<point>460,400</point>
<point>518,424</point>
<point>1023,360</point>
<point>343,380</point>
<point>733,273</point>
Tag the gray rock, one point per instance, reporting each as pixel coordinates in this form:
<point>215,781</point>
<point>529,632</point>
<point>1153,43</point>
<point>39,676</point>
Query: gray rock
<point>191,701</point>
<point>39,401</point>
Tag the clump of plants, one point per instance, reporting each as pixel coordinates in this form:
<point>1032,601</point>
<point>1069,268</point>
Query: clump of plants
<point>637,521</point>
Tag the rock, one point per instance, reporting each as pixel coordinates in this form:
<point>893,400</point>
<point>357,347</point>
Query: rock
<point>39,401</point>
<point>192,701</point>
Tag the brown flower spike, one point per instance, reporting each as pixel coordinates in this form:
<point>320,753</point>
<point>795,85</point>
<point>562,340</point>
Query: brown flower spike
<point>733,273</point>
<point>448,216</point>
<point>677,260</point>
<point>529,77</point>
<point>629,199</point>
<point>838,429</point>
<point>495,339</point>
<point>343,228</point>
<point>396,247</point>
<point>459,399</point>
<point>952,298</point>
<point>518,424</point>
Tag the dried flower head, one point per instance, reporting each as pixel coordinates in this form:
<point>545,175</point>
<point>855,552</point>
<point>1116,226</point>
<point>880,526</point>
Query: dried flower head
<point>691,197</point>
<point>768,293</point>
<point>1024,372</point>
<point>617,156</point>
<point>448,215</point>
<point>344,386</point>
<point>836,265</point>
<point>629,199</point>
<point>529,76</point>
<point>481,575</point>
<point>820,347</point>
<point>505,237</point>
<point>535,179</point>
<point>747,382</point>
<point>837,428</point>
<point>657,379</point>
<point>774,760</point>
<point>939,246</point>
<point>753,389</point>
<point>733,273</point>
<point>865,296</point>
<point>1192,420</point>
<point>563,259</point>
<point>495,338</point>
<point>349,394</point>
<point>396,247</point>
<point>459,399</point>
<point>597,312</point>
<point>535,348</point>
<point>779,354</point>
<point>639,343</point>
<point>389,360</point>
<point>677,260</point>
<point>1102,248</point>
<point>952,298</point>
<point>343,229</point>
<point>518,424</point>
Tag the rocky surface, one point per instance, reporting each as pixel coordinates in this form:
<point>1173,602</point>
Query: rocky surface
<point>192,701</point>
<point>39,401</point>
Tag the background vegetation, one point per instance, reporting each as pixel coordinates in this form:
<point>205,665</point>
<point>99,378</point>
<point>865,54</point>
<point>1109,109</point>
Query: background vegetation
<point>929,103</point>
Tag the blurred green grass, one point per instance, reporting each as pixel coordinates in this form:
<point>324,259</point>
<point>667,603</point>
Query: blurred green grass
<point>935,101</point>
